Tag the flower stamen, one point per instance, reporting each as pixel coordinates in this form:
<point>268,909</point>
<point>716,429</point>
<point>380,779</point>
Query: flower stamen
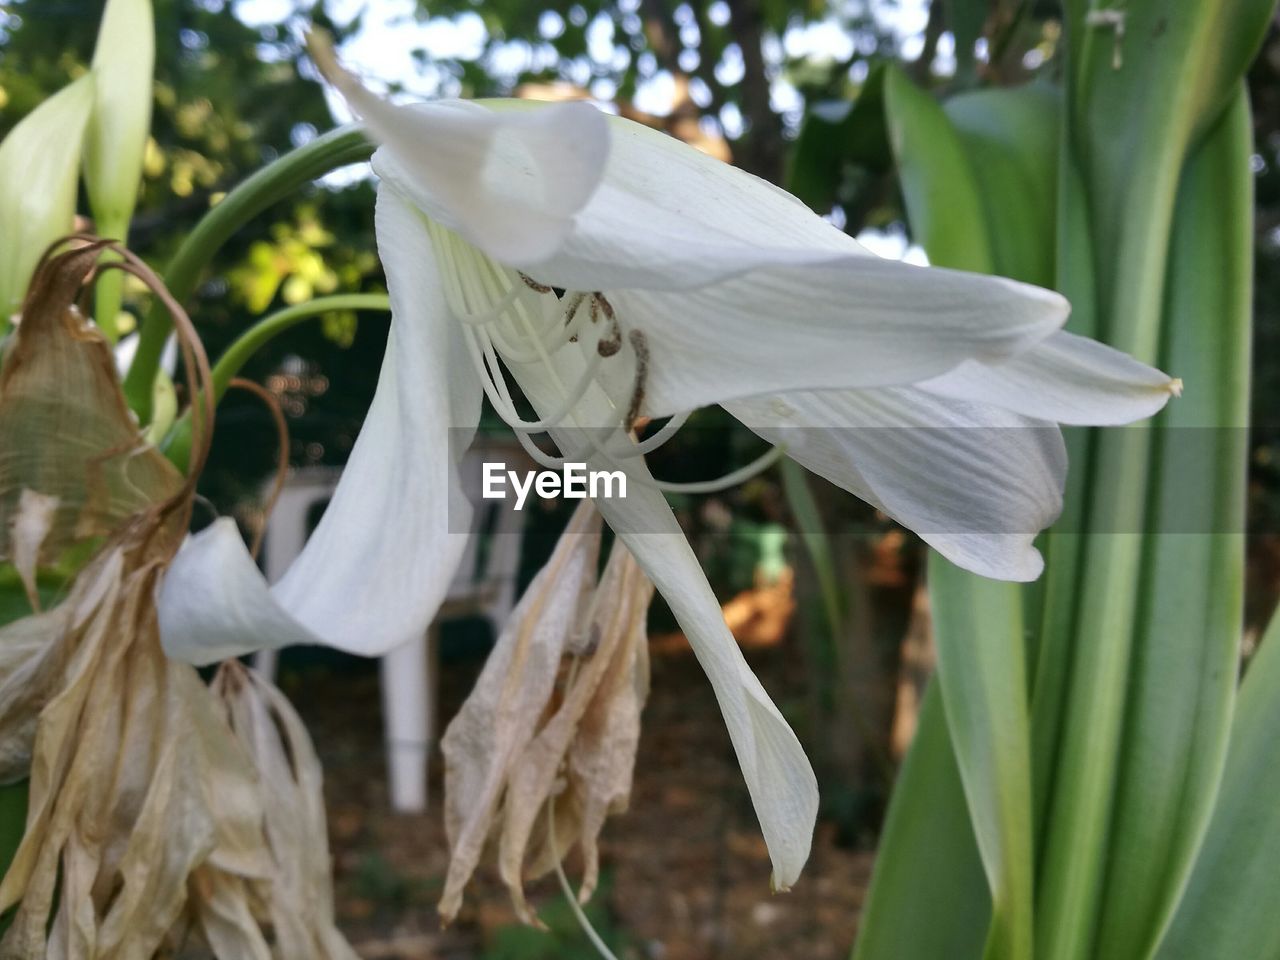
<point>502,325</point>
<point>640,346</point>
<point>606,346</point>
<point>533,284</point>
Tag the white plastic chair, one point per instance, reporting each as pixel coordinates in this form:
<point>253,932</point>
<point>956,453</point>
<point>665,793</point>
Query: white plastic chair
<point>409,674</point>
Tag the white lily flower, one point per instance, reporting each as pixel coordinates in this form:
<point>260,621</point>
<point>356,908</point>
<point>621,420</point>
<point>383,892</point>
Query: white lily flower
<point>686,282</point>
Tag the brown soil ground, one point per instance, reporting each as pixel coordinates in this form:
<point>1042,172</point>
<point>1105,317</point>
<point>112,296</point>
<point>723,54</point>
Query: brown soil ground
<point>686,872</point>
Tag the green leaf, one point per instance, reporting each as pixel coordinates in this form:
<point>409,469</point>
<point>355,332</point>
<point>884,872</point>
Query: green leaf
<point>938,182</point>
<point>981,671</point>
<point>966,18</point>
<point>1229,908</point>
<point>1183,667</point>
<point>835,135</point>
<point>1063,547</point>
<point>1131,148</point>
<point>1010,140</point>
<point>979,626</point>
<point>1131,144</point>
<point>816,542</point>
<point>39,167</point>
<point>928,896</point>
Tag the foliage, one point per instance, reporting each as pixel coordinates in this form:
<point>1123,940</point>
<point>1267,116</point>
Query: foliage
<point>1082,774</point>
<point>1094,770</point>
<point>563,938</point>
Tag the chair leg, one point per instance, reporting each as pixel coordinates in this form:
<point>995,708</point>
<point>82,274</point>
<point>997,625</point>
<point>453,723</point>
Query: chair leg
<point>406,710</point>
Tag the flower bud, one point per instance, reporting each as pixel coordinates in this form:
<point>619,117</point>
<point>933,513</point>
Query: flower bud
<point>39,160</point>
<point>116,141</point>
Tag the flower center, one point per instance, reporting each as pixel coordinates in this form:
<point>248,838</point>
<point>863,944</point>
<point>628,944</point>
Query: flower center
<point>509,318</point>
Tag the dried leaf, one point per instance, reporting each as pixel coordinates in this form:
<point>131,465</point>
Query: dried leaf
<point>601,780</point>
<point>66,434</point>
<point>135,779</point>
<point>31,661</point>
<point>501,715</point>
<point>147,818</point>
<point>298,896</point>
<point>602,757</point>
<point>552,727</point>
<point>31,525</point>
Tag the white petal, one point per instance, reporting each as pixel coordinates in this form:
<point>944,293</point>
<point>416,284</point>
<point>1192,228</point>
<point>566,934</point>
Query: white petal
<point>509,181</point>
<point>215,604</point>
<point>860,322</point>
<point>1064,378</point>
<point>783,788</point>
<point>662,214</point>
<point>377,567</point>
<point>975,482</point>
<point>718,269</point>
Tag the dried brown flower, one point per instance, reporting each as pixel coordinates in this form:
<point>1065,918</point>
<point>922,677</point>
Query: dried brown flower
<point>544,748</point>
<point>154,802</point>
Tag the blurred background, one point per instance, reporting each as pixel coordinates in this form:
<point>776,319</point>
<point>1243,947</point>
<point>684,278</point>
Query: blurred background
<point>784,89</point>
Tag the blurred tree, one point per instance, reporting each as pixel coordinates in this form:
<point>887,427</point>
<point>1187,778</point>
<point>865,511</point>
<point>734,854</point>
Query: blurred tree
<point>787,89</point>
<point>228,99</point>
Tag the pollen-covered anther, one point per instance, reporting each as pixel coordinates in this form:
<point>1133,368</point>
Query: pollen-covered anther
<point>609,345</point>
<point>533,284</point>
<point>640,346</point>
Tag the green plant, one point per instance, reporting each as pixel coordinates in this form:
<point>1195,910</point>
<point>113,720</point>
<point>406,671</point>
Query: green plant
<point>563,938</point>
<point>1084,780</point>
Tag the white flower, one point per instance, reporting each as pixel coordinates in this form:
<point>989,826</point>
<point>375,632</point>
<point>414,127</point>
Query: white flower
<point>931,393</point>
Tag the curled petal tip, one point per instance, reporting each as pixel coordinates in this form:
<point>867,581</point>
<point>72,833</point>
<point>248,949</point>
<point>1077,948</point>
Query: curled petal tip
<point>320,47</point>
<point>1175,387</point>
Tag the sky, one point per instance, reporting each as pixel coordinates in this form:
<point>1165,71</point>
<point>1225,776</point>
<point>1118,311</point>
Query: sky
<point>382,53</point>
<point>384,48</point>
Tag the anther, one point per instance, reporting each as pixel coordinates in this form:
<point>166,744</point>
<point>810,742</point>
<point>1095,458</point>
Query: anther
<point>640,345</point>
<point>605,306</point>
<point>606,346</point>
<point>533,284</point>
<point>572,309</point>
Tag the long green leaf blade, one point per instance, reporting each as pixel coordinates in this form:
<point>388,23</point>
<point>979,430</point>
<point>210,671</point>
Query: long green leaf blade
<point>981,672</point>
<point>928,896</point>
<point>979,625</point>
<point>1229,908</point>
<point>1182,683</point>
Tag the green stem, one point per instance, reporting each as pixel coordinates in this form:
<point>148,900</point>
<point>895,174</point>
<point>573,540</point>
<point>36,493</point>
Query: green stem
<point>1132,196</point>
<point>177,446</point>
<point>334,149</point>
<point>109,289</point>
<point>271,326</point>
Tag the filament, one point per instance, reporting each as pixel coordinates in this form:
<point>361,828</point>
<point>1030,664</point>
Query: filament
<point>631,450</point>
<point>578,913</point>
<point>732,479</point>
<point>501,324</point>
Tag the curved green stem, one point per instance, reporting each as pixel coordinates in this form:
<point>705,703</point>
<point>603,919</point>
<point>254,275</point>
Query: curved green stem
<point>109,289</point>
<point>271,326</point>
<point>334,149</point>
<point>177,446</point>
